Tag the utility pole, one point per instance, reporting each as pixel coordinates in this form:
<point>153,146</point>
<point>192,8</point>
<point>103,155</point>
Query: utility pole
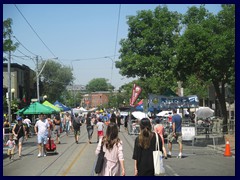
<point>37,75</point>
<point>9,86</point>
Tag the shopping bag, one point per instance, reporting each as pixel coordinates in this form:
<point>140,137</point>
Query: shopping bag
<point>100,161</point>
<point>158,159</point>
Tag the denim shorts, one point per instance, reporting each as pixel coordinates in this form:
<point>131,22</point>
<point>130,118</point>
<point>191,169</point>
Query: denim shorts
<point>42,139</point>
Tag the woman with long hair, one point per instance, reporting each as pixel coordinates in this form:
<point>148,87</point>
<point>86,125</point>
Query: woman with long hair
<point>143,149</point>
<point>113,147</point>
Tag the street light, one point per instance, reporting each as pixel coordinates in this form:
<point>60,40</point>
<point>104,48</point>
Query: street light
<point>44,97</point>
<point>112,66</point>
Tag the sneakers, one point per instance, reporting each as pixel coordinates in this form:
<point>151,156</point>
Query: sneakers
<point>179,155</point>
<point>169,155</point>
<point>44,155</point>
<point>39,155</point>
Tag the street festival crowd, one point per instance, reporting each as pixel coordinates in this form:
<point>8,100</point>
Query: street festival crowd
<point>113,165</point>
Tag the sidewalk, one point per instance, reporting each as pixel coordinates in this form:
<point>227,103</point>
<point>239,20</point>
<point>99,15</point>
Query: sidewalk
<point>221,147</point>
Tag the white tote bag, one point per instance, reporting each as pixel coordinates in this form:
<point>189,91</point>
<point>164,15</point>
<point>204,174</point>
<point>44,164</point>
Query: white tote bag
<point>158,159</point>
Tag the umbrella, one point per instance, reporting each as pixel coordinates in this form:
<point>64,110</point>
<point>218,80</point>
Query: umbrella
<point>204,112</point>
<point>36,108</point>
<point>139,115</point>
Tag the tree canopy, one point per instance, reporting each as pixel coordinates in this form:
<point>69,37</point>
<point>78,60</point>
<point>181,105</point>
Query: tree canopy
<point>8,44</point>
<point>99,84</point>
<point>149,50</point>
<point>55,79</point>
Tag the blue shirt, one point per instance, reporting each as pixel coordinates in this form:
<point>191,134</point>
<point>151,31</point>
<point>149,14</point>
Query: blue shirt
<point>176,118</point>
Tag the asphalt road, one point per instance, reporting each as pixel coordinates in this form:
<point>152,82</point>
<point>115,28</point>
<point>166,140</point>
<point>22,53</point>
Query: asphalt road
<point>79,159</point>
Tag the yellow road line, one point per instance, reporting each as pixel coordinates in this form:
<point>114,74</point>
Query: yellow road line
<point>74,161</point>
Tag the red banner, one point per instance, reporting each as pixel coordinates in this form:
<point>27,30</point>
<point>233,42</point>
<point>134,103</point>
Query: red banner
<point>136,91</point>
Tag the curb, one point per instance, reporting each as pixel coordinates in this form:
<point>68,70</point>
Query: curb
<point>221,149</point>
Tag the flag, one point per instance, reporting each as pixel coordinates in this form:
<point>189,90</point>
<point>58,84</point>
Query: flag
<point>136,91</point>
<point>139,103</point>
<point>24,98</point>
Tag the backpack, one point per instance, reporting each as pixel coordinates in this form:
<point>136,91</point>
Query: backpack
<point>77,122</point>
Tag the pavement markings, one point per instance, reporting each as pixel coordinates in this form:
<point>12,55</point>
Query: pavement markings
<point>74,161</point>
<point>171,169</point>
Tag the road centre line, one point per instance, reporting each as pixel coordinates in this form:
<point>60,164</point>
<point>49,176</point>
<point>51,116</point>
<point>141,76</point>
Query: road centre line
<point>74,161</point>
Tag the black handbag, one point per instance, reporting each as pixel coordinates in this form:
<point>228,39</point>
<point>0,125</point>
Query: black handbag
<point>100,160</point>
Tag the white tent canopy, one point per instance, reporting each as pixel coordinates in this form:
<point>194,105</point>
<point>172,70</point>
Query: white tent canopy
<point>164,113</point>
<point>139,115</point>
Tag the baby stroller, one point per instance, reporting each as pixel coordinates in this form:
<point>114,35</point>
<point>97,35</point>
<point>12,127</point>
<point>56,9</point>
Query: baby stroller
<point>51,146</point>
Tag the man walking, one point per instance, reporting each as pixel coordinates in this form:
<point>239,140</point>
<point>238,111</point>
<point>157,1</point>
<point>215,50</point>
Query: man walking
<point>42,129</point>
<point>176,133</point>
<point>76,126</point>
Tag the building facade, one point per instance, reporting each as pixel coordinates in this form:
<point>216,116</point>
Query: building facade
<point>22,83</point>
<point>95,99</point>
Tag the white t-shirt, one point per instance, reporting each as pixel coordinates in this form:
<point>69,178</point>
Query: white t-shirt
<point>27,121</point>
<point>10,144</point>
<point>42,127</point>
<point>100,126</point>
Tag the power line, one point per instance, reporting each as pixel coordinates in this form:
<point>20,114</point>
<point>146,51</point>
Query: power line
<point>117,30</point>
<point>34,31</point>
<point>24,54</point>
<point>23,46</point>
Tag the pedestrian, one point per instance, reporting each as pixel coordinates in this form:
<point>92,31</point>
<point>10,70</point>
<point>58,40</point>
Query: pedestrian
<point>42,130</point>
<point>113,147</point>
<point>67,122</point>
<point>11,146</point>
<point>50,122</point>
<point>159,128</point>
<point>175,134</point>
<point>19,132</point>
<point>76,126</point>
<point>6,128</point>
<point>144,146</point>
<point>113,118</point>
<point>27,121</point>
<point>57,126</point>
<point>118,121</point>
<point>126,123</point>
<point>100,127</point>
<point>89,126</point>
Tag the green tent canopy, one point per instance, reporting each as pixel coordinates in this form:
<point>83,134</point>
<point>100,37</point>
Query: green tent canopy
<point>46,103</point>
<point>36,108</point>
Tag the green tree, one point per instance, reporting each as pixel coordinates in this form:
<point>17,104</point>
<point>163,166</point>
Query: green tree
<point>8,44</point>
<point>207,50</point>
<point>195,86</point>
<point>149,49</point>
<point>98,84</point>
<point>55,79</point>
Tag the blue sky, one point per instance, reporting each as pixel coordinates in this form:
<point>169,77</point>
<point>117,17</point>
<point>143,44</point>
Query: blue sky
<point>80,35</point>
